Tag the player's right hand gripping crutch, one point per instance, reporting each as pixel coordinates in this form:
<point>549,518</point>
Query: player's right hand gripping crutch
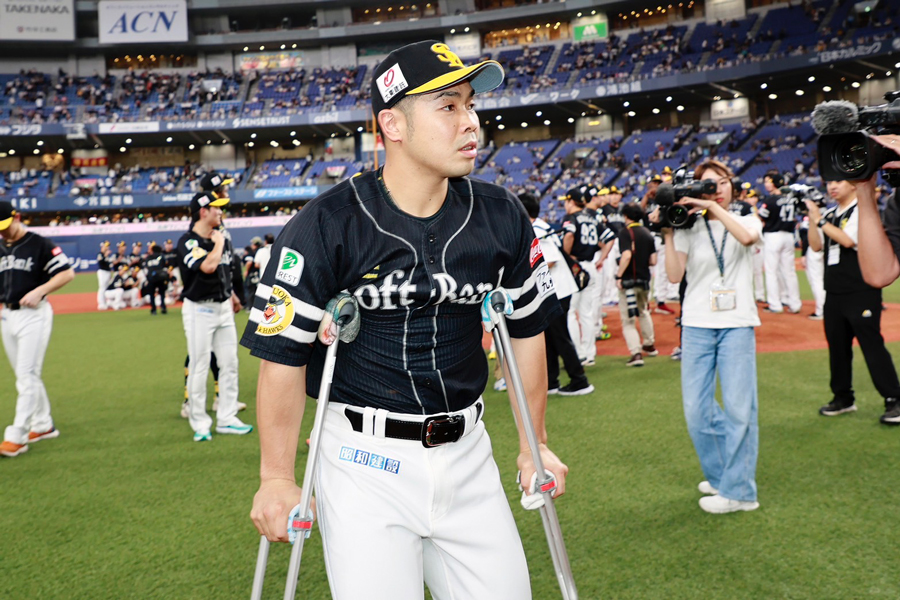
<point>494,310</point>
<point>340,323</point>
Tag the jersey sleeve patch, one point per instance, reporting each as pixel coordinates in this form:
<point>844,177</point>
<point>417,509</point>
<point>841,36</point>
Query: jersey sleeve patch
<point>290,266</point>
<point>278,313</point>
<point>535,254</point>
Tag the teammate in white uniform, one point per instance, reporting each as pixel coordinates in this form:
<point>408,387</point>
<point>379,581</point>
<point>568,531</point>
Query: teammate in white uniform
<point>205,256</point>
<point>104,274</point>
<point>30,268</point>
<point>407,487</point>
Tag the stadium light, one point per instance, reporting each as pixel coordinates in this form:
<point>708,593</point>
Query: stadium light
<point>799,92</point>
<point>679,108</point>
<point>191,147</point>
<point>61,151</point>
<point>283,46</point>
<point>224,141</point>
<point>655,111</point>
<point>579,16</point>
<point>128,141</point>
<point>251,144</point>
<point>122,149</point>
<point>897,65</point>
<point>855,85</point>
<point>359,129</point>
<point>36,151</point>
<point>296,143</point>
<point>466,30</point>
<point>763,86</point>
<point>773,96</point>
<point>12,152</point>
<point>826,89</point>
<point>626,104</point>
<point>717,98</point>
<point>40,142</point>
<point>571,119</point>
<point>262,47</point>
<point>811,78</point>
<point>499,117</point>
<point>333,134</point>
<point>293,133</point>
<point>668,98</point>
<point>501,126</point>
<point>452,31</point>
<point>524,124</point>
<point>169,140</point>
<point>631,113</point>
<point>273,143</point>
<point>253,136</point>
<point>887,74</point>
<point>246,49</point>
<point>546,121</point>
<point>294,46</point>
<point>208,142</point>
<point>539,114</point>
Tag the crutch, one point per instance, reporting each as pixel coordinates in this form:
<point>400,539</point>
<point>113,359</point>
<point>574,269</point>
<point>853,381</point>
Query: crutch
<point>339,324</point>
<point>496,306</point>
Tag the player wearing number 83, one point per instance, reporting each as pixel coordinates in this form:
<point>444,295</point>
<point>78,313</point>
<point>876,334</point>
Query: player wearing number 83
<point>406,486</point>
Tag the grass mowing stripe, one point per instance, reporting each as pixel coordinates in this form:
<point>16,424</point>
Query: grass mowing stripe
<point>125,505</point>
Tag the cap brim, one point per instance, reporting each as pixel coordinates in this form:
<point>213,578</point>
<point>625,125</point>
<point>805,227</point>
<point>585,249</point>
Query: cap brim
<point>5,223</point>
<point>227,181</point>
<point>484,77</point>
<point>219,201</point>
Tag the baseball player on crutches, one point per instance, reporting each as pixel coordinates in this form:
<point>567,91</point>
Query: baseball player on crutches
<point>407,490</point>
<point>539,493</point>
<point>340,323</point>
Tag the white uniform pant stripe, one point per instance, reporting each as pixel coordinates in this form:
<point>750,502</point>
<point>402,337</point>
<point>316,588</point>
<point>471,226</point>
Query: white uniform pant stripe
<point>26,335</point>
<point>583,312</point>
<point>781,275</point>
<point>442,517</point>
<point>209,327</point>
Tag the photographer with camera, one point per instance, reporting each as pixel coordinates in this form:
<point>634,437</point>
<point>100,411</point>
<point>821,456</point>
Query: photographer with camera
<point>718,319</point>
<point>638,254</point>
<point>778,213</point>
<point>852,307</point>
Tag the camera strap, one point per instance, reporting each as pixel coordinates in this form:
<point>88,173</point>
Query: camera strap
<point>719,252</point>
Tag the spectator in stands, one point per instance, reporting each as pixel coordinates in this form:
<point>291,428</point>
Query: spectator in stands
<point>718,339</point>
<point>779,223</point>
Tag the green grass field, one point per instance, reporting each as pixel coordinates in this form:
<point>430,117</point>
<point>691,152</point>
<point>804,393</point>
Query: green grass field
<point>125,505</point>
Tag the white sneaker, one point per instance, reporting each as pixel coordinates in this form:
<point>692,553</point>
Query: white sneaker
<point>500,385</point>
<point>706,488</point>
<point>718,505</point>
<point>236,427</point>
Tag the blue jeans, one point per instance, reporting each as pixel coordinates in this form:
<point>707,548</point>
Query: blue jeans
<point>726,441</point>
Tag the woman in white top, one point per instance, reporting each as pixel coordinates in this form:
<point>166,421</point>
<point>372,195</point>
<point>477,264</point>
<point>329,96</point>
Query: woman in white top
<point>718,316</point>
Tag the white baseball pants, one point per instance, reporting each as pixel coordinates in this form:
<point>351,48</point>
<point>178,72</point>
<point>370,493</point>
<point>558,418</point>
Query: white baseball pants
<point>782,286</point>
<point>609,293</point>
<point>584,312</point>
<point>26,334</point>
<point>103,278</point>
<point>209,327</point>
<point>664,290</point>
<point>393,513</point>
<point>815,274</point>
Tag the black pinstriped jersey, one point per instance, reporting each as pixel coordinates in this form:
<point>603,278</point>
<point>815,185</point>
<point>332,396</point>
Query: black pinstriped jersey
<point>103,261</point>
<point>419,284</point>
<point>199,286</point>
<point>28,262</point>
<point>777,213</point>
<point>589,231</point>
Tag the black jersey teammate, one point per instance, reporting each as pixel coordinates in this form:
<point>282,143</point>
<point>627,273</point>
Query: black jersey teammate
<point>419,245</point>
<point>30,268</point>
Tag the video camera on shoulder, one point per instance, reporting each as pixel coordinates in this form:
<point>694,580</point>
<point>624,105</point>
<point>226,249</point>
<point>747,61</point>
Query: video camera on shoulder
<point>683,186</point>
<point>846,149</point>
<point>798,193</point>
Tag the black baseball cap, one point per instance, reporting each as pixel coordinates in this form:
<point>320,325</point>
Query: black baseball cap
<point>426,67</point>
<point>205,200</point>
<point>576,195</point>
<point>212,181</point>
<point>7,214</point>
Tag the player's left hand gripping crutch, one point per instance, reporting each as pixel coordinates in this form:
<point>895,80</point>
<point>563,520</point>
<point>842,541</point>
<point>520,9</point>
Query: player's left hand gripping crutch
<point>340,323</point>
<point>494,310</point>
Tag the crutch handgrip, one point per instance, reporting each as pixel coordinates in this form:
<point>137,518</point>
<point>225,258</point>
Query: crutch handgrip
<point>297,525</point>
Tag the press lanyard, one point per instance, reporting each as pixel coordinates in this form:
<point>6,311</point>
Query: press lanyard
<point>719,252</point>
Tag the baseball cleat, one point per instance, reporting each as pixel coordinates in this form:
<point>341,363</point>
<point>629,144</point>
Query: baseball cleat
<point>34,436</point>
<point>11,449</point>
<point>185,410</point>
<point>202,436</point>
<point>237,428</point>
<point>240,405</point>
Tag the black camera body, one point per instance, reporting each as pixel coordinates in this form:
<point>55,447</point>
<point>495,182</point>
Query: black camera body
<point>798,193</point>
<point>845,148</point>
<point>683,186</point>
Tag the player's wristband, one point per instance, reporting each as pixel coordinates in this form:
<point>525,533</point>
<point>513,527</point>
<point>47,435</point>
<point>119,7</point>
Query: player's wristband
<point>822,222</point>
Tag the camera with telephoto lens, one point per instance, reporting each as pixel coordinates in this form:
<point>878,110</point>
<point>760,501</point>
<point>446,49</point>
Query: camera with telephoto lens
<point>629,286</point>
<point>846,149</point>
<point>683,186</point>
<point>798,193</point>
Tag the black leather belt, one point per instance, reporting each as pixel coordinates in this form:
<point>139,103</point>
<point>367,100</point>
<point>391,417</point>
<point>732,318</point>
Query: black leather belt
<point>435,430</point>
<point>12,306</point>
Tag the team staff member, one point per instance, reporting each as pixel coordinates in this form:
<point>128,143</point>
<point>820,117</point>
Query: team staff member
<point>157,278</point>
<point>30,268</point>
<point>208,315</point>
<point>104,274</point>
<point>718,342</point>
<point>852,307</point>
<point>638,254</point>
<point>419,245</point>
<point>779,222</point>
<point>558,340</point>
